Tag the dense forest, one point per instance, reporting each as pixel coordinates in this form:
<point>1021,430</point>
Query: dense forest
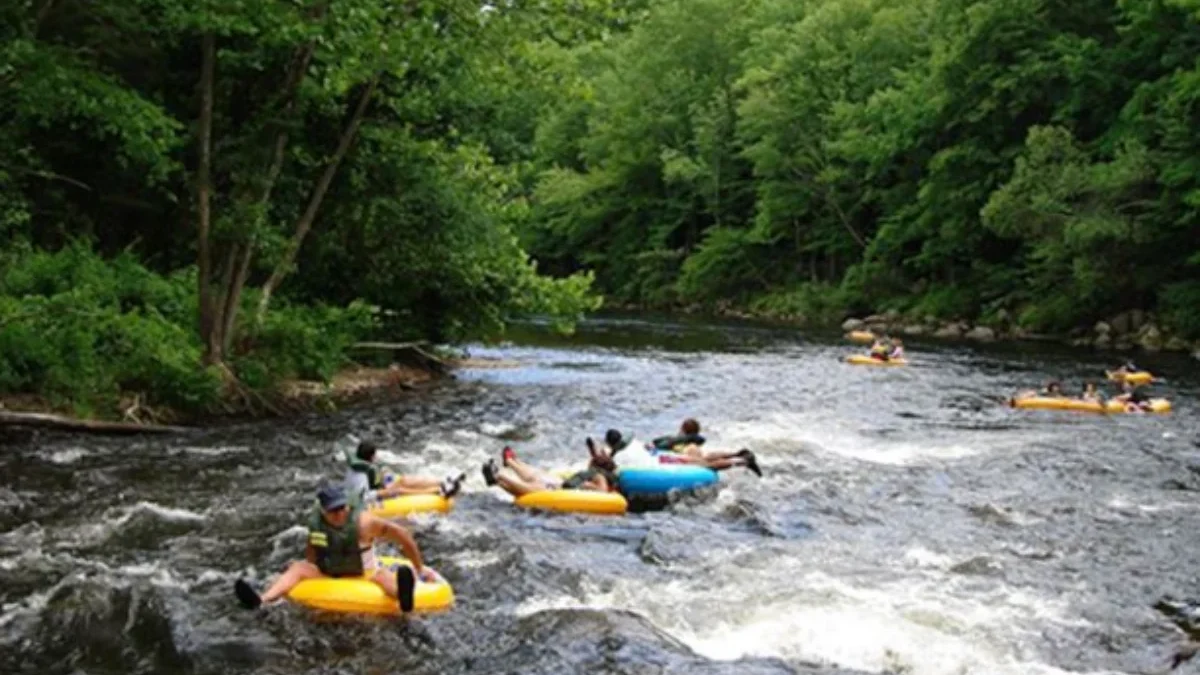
<point>196,194</point>
<point>199,193</point>
<point>1025,160</point>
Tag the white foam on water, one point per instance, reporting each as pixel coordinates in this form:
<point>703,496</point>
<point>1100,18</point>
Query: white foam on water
<point>479,559</point>
<point>924,558</point>
<point>909,625</point>
<point>541,604</point>
<point>494,429</point>
<point>218,451</point>
<point>161,512</point>
<point>68,455</point>
<point>593,598</point>
<point>840,440</point>
<point>1122,503</point>
<point>114,519</point>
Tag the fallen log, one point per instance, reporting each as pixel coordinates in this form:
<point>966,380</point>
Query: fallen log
<point>413,350</point>
<point>48,421</point>
<point>394,346</point>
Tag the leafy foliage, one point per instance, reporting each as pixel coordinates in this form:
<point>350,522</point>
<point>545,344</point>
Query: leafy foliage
<point>946,157</point>
<point>207,151</point>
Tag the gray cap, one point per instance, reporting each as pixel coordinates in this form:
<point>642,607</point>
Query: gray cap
<point>331,498</point>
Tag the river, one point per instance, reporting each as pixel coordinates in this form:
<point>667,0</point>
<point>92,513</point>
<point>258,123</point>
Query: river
<point>906,522</point>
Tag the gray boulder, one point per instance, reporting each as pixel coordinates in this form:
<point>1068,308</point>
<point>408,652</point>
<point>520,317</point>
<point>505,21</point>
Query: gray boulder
<point>949,331</point>
<point>852,324</point>
<point>981,334</point>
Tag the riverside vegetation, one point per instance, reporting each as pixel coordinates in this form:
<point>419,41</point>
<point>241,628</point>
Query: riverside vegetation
<point>200,200</point>
<point>1023,166</point>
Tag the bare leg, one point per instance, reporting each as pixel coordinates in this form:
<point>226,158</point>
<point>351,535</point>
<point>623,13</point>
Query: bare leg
<point>529,473</point>
<point>295,573</point>
<point>712,460</point>
<point>516,485</point>
<point>399,588</point>
<point>411,485</point>
<point>386,580</point>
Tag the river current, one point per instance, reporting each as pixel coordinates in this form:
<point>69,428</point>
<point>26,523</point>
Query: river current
<point>907,522</point>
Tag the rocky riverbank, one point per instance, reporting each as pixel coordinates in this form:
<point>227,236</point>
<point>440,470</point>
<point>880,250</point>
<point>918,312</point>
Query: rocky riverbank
<point>355,385</point>
<point>1126,331</point>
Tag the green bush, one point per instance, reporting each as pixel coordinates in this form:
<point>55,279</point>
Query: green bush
<point>946,302</point>
<point>729,263</point>
<point>1179,305</point>
<point>303,342</point>
<point>815,302</point>
<point>81,331</point>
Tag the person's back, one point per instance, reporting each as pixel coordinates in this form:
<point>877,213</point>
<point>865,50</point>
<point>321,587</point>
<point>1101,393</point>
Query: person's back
<point>358,486</point>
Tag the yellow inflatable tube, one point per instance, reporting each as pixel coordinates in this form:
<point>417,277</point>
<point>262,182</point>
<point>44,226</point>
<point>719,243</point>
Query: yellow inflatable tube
<point>863,360</point>
<point>362,596</point>
<point>1157,405</point>
<point>861,336</point>
<point>407,505</point>
<point>575,501</point>
<point>1139,377</point>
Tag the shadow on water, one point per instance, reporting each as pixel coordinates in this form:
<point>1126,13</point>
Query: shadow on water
<point>906,523</point>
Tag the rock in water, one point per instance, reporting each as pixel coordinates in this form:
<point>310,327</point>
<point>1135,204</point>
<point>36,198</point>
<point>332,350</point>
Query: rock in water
<point>1176,344</point>
<point>1150,338</point>
<point>950,331</point>
<point>982,334</point>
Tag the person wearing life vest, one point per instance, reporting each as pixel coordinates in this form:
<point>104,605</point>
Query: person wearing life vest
<point>368,478</point>
<point>688,438</point>
<point>881,350</point>
<point>519,479</point>
<point>341,543</point>
<point>685,448</point>
<point>1133,397</point>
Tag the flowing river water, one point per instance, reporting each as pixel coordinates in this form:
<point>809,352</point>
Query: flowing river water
<point>906,523</point>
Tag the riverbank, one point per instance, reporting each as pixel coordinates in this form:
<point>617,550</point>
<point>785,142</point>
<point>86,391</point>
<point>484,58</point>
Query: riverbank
<point>1133,330</point>
<point>1124,332</point>
<point>354,385</point>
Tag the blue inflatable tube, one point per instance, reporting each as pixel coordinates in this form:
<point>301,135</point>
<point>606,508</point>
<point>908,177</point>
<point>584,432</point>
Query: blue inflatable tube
<point>659,479</point>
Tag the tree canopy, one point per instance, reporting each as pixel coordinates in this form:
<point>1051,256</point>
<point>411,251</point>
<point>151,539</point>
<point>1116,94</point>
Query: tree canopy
<point>946,157</point>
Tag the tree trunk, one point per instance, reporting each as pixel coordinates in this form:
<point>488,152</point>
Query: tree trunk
<point>239,268</point>
<point>862,243</point>
<point>242,255</point>
<point>208,317</point>
<point>304,224</point>
<point>43,12</point>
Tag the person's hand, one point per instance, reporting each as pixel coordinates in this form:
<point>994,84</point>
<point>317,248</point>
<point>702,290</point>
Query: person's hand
<point>427,575</point>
